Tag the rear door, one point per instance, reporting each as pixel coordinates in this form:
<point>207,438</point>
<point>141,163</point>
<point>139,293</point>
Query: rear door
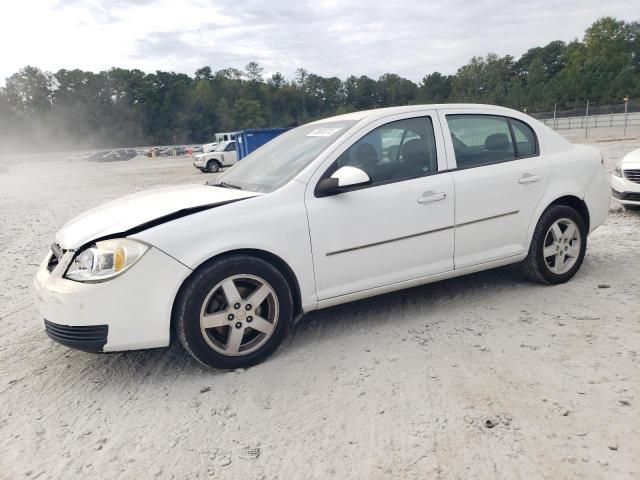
<point>499,178</point>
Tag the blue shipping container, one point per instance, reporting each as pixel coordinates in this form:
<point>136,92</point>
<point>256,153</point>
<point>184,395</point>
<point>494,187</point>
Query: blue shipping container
<point>249,140</point>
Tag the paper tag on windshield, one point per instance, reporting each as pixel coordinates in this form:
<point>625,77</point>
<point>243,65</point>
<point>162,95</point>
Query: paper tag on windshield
<point>323,132</point>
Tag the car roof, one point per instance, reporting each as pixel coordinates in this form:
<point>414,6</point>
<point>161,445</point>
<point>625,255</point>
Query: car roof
<point>383,112</point>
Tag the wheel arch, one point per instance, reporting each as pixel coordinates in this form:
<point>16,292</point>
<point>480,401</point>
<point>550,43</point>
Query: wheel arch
<point>569,200</point>
<point>282,266</point>
<point>577,204</point>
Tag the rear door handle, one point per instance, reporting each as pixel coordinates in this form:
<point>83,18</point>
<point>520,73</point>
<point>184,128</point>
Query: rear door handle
<point>429,197</point>
<point>528,178</point>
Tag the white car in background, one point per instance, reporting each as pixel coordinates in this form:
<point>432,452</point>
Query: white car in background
<point>625,181</point>
<point>324,214</point>
<point>224,155</point>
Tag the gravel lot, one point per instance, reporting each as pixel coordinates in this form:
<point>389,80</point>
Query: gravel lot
<point>398,386</point>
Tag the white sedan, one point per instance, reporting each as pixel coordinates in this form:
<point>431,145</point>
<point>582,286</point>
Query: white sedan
<point>333,211</point>
<point>625,181</point>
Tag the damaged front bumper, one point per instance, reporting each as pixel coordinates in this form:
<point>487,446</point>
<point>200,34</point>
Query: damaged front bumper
<point>129,312</point>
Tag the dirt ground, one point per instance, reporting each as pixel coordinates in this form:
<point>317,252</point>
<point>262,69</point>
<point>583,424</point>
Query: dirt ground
<point>398,386</point>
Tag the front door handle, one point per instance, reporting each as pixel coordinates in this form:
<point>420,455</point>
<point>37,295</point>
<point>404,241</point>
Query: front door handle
<point>429,197</point>
<point>528,178</point>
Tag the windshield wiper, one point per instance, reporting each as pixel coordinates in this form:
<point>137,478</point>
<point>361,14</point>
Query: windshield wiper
<point>227,185</point>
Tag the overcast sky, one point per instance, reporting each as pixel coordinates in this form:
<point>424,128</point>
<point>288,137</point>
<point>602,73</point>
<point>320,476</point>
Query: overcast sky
<point>327,37</point>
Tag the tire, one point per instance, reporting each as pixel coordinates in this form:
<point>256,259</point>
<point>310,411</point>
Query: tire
<point>213,166</point>
<point>565,255</point>
<point>208,321</point>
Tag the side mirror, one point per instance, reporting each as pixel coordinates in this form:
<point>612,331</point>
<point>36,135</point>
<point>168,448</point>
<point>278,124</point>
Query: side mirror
<point>342,178</point>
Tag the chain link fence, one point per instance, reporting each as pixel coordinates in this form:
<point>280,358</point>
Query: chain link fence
<point>621,119</point>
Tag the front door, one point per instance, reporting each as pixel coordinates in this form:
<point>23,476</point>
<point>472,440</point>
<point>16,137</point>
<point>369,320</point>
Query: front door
<point>398,228</point>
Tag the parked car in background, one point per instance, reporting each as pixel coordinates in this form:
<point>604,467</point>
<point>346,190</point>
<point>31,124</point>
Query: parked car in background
<point>130,152</point>
<point>96,156</point>
<point>625,181</point>
<point>196,149</point>
<point>153,152</point>
<point>117,155</point>
<point>113,155</point>
<point>324,214</point>
<point>173,151</point>
<point>224,155</point>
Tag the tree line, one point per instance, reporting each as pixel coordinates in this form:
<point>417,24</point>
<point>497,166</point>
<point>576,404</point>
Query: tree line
<point>122,107</point>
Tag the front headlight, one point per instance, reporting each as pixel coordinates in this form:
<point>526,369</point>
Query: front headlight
<point>617,171</point>
<point>105,260</point>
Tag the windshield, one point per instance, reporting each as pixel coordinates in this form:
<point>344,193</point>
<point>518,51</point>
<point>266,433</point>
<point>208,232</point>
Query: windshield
<point>278,161</point>
<point>219,147</point>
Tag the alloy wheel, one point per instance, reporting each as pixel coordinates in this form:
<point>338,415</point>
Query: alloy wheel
<point>562,246</point>
<point>239,315</point>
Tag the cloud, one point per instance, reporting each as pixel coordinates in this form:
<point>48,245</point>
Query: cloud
<point>371,37</point>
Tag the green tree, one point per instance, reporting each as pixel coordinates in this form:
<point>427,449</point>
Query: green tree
<point>434,88</point>
<point>248,114</point>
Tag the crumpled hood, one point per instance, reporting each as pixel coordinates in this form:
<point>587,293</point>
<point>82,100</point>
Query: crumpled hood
<point>139,209</point>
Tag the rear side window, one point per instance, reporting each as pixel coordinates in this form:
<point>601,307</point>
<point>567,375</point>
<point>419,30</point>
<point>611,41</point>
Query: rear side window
<point>480,139</point>
<point>486,139</point>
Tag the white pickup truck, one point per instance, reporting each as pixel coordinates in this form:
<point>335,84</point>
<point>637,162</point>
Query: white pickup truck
<point>223,156</point>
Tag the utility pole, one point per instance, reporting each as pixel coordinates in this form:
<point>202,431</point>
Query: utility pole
<point>555,125</point>
<point>626,105</point>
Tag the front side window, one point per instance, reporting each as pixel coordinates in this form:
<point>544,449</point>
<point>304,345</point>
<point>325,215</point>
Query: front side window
<point>396,151</point>
<point>231,147</point>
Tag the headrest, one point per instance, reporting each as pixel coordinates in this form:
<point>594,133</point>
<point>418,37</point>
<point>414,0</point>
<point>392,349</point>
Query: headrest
<point>497,141</point>
<point>366,154</point>
<point>415,152</point>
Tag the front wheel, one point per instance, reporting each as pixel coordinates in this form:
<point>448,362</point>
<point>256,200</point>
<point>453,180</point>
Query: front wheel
<point>213,166</point>
<point>558,246</point>
<point>233,312</point>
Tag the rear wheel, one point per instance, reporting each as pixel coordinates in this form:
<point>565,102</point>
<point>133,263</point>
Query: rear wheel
<point>233,312</point>
<point>558,246</point>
